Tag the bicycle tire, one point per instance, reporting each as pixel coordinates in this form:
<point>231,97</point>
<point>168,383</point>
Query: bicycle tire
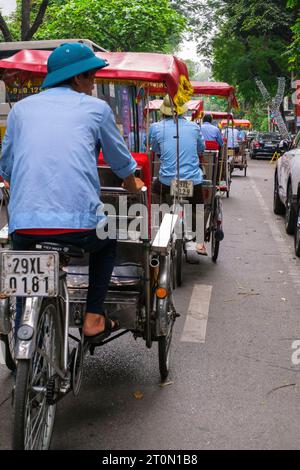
<point>24,389</point>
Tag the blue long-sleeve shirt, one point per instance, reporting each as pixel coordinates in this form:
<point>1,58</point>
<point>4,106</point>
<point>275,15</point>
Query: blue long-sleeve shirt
<point>211,133</point>
<point>191,143</point>
<point>49,155</point>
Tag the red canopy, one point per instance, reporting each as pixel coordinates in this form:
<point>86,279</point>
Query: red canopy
<point>237,123</point>
<point>219,114</point>
<point>216,89</point>
<point>164,73</point>
<point>193,105</point>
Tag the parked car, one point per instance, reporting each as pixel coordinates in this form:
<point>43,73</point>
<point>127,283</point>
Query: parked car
<point>264,144</point>
<point>287,188</point>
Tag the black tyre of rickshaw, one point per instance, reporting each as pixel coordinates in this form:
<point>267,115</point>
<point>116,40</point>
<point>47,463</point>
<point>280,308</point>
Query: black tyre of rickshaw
<point>278,206</point>
<point>178,265</point>
<point>164,342</point>
<point>164,350</point>
<point>26,375</point>
<point>297,234</point>
<point>8,357</point>
<point>245,169</point>
<point>215,246</point>
<point>9,339</point>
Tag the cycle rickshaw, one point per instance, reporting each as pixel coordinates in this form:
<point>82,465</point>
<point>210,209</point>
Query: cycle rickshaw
<point>212,210</point>
<point>226,91</point>
<point>240,157</point>
<point>49,353</point>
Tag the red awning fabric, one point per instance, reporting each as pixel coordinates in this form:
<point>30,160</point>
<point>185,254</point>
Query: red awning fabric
<point>165,73</point>
<point>219,115</point>
<point>216,89</point>
<point>193,105</point>
<point>237,123</point>
<point>26,60</point>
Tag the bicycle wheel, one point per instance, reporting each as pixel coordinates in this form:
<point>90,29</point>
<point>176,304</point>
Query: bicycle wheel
<point>34,412</point>
<point>9,340</point>
<point>217,218</point>
<point>164,342</point>
<point>215,246</point>
<point>178,248</point>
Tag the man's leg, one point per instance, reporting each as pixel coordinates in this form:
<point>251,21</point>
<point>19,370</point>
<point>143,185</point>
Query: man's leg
<point>101,266</point>
<point>198,199</point>
<point>102,258</point>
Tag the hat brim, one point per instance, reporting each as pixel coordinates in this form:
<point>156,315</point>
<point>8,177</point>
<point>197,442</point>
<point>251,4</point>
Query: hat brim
<point>65,73</point>
<point>167,111</point>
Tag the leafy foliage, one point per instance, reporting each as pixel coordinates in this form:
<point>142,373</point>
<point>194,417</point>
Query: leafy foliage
<point>135,25</point>
<point>242,39</point>
<point>294,48</point>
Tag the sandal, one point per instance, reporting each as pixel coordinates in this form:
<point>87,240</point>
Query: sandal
<point>99,337</point>
<point>201,251</point>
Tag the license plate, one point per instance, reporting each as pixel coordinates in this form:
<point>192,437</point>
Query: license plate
<point>29,273</point>
<point>182,188</point>
<point>230,153</point>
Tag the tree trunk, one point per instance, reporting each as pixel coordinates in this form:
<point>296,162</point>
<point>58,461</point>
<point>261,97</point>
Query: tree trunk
<point>5,30</point>
<point>38,20</point>
<point>25,19</point>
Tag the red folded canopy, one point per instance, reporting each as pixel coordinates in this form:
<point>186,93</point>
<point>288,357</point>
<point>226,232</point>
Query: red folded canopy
<point>165,73</point>
<point>237,123</point>
<point>219,114</point>
<point>163,69</point>
<point>193,105</point>
<point>216,89</point>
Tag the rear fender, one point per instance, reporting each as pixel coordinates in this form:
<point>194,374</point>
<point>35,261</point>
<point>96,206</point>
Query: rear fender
<point>161,305</point>
<point>26,334</point>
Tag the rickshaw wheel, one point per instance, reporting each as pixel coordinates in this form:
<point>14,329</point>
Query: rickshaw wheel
<point>164,349</point>
<point>245,171</point>
<point>9,361</point>
<point>215,246</point>
<point>164,342</point>
<point>9,339</point>
<point>178,263</point>
<point>34,414</point>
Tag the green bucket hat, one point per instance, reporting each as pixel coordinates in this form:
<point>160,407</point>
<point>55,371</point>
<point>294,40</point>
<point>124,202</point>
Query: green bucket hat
<point>68,60</point>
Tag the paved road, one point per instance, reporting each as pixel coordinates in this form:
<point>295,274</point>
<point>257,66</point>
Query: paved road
<point>233,383</point>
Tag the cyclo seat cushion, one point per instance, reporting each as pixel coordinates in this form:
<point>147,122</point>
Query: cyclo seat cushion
<point>211,145</point>
<point>61,248</point>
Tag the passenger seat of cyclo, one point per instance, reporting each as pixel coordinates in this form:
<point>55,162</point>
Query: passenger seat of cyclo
<point>143,163</point>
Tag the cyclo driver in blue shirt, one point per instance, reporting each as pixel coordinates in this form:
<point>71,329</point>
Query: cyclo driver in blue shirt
<point>162,142</point>
<point>49,157</point>
<point>210,132</point>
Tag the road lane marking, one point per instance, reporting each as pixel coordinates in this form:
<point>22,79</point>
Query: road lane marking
<point>194,330</point>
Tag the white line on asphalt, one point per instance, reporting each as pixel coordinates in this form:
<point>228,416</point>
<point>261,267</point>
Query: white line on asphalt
<point>194,330</point>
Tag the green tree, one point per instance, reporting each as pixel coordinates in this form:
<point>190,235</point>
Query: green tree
<point>294,48</point>
<point>124,25</point>
<point>24,23</point>
<point>242,39</point>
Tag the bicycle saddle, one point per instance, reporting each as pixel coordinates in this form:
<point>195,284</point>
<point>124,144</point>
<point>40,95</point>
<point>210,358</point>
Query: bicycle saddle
<point>61,248</point>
